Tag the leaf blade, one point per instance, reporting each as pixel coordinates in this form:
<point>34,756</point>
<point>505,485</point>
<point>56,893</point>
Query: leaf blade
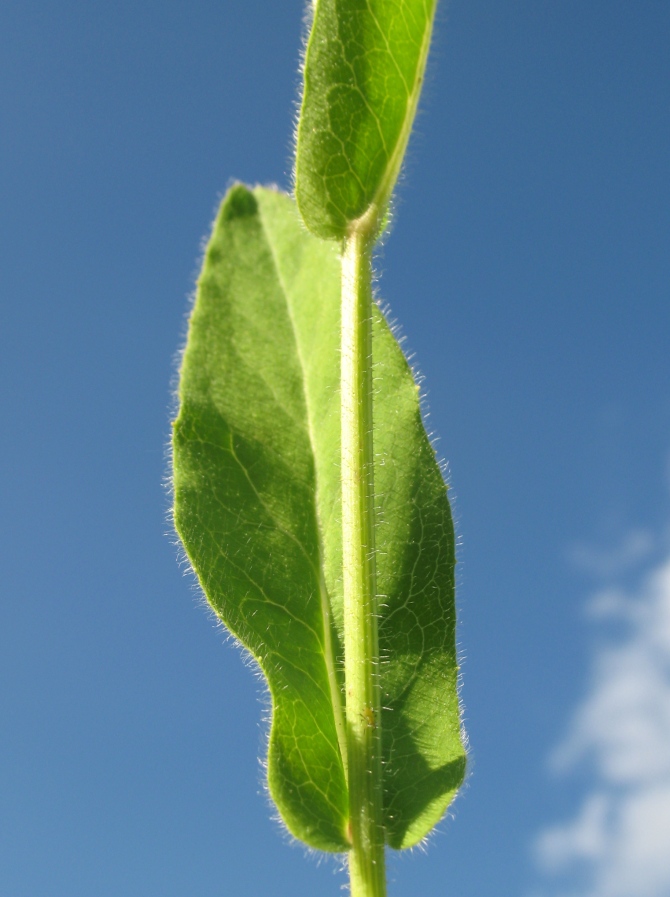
<point>424,756</point>
<point>279,450</point>
<point>244,509</point>
<point>363,74</point>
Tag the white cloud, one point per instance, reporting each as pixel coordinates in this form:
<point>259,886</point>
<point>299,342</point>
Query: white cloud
<point>618,844</point>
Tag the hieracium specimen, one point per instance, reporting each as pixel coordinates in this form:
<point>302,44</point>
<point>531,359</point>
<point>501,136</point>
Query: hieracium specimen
<point>306,492</point>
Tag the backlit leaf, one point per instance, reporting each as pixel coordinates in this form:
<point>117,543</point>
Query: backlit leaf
<point>257,499</point>
<point>363,73</point>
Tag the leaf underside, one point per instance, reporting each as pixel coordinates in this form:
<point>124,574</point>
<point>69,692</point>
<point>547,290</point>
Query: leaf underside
<point>257,506</point>
<point>363,73</point>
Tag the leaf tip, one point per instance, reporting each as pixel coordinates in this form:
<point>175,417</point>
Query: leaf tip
<point>239,202</point>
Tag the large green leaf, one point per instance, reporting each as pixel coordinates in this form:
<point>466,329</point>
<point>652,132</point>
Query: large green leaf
<point>257,499</point>
<point>363,72</point>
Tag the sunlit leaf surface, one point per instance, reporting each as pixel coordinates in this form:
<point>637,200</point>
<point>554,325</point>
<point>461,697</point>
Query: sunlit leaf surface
<point>256,483</point>
<point>363,74</point>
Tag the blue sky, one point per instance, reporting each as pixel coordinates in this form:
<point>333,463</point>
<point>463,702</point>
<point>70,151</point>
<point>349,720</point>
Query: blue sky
<point>529,268</point>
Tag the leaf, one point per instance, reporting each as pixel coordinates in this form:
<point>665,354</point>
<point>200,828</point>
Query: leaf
<point>363,73</point>
<point>245,509</point>
<point>257,498</point>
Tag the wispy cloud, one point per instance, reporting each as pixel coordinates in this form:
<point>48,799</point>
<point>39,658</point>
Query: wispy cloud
<point>637,545</point>
<point>618,843</point>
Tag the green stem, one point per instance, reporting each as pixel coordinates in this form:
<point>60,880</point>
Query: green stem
<point>361,643</point>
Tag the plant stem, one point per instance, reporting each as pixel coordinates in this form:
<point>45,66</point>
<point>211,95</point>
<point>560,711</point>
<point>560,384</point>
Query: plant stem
<point>361,643</point>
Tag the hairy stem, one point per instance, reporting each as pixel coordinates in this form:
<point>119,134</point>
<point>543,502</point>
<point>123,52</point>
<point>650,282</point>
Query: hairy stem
<point>361,644</point>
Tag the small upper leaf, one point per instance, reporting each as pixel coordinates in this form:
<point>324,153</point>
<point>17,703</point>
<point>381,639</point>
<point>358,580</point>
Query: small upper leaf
<point>257,506</point>
<point>363,73</point>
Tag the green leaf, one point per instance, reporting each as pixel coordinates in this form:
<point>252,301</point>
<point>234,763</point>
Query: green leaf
<point>363,73</point>
<point>244,488</point>
<point>257,506</point>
